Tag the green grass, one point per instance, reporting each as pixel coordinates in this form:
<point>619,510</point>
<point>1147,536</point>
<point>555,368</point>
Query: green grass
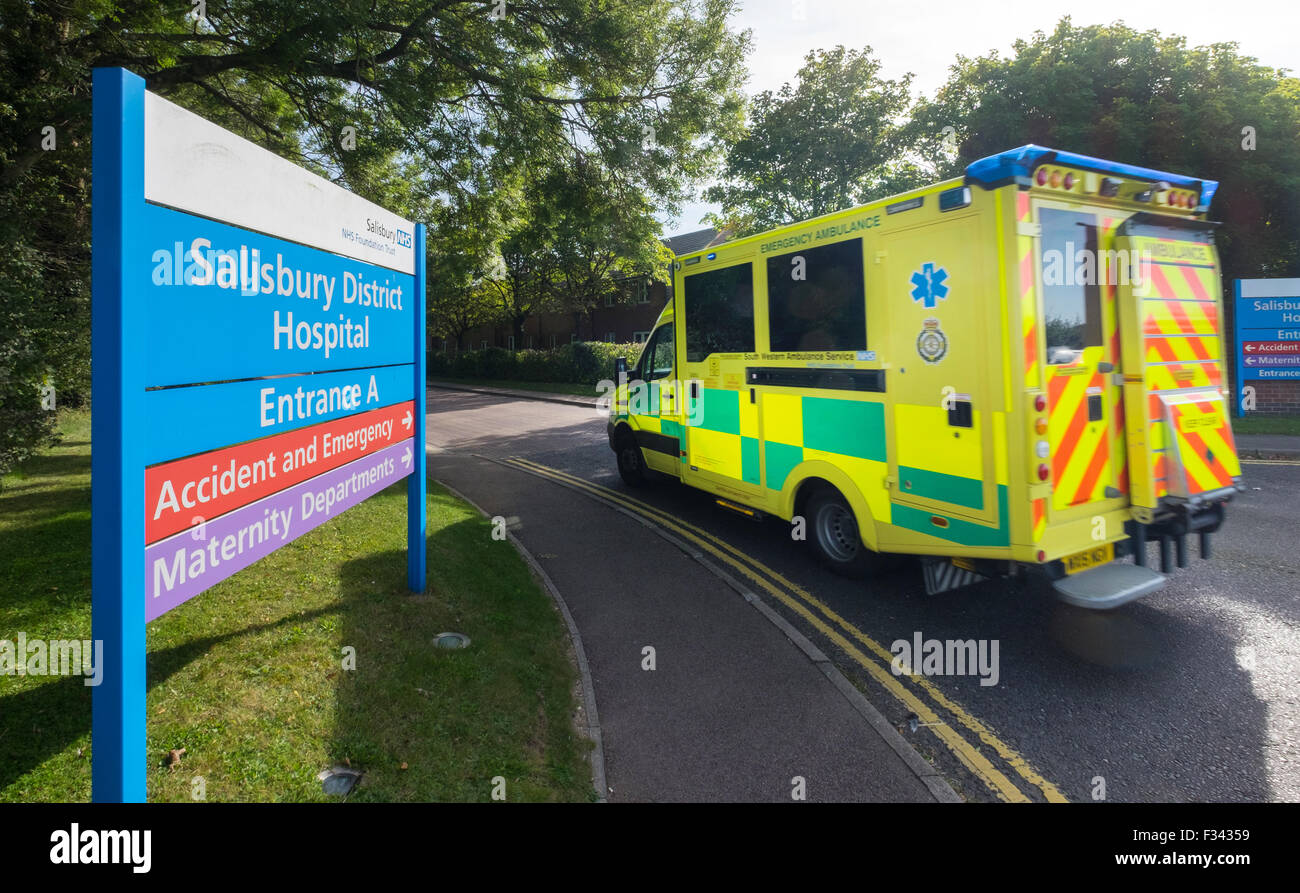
<point>1254,423</point>
<point>248,676</point>
<point>550,387</point>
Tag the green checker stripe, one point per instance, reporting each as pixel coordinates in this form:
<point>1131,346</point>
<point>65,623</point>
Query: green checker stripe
<point>721,410</point>
<point>781,460</point>
<point>847,427</point>
<point>670,428</point>
<point>749,460</point>
<point>940,486</point>
<point>966,533</point>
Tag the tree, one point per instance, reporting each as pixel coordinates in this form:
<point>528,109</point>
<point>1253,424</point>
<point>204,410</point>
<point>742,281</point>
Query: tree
<point>443,95</point>
<point>603,235</point>
<point>831,141</point>
<point>1147,99</point>
<point>522,280</point>
<point>460,248</point>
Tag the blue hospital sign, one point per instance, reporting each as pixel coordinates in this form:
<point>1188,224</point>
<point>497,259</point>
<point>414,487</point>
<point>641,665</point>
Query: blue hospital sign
<point>1267,331</point>
<point>257,365</point>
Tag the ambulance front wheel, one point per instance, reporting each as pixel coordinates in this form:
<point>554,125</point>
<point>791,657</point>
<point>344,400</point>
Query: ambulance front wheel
<point>631,464</point>
<point>835,536</point>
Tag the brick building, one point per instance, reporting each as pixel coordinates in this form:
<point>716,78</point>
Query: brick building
<point>627,316</point>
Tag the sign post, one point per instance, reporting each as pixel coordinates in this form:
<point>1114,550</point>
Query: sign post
<point>1267,332</point>
<point>258,367</point>
<point>116,462</point>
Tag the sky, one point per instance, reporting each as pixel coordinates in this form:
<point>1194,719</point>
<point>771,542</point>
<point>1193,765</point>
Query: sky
<point>925,37</point>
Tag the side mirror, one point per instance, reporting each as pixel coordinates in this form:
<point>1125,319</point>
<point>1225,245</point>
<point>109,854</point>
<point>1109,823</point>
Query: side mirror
<point>620,369</point>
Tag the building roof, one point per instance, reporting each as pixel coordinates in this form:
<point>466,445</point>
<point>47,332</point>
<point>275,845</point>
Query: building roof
<point>688,242</point>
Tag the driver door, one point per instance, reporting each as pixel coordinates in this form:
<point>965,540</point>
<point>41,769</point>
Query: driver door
<point>653,405</point>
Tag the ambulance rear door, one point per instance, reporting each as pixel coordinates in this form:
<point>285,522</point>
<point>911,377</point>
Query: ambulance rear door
<point>1076,279</point>
<point>1179,433</point>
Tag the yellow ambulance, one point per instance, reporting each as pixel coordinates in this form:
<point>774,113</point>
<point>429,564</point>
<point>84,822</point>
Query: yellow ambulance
<point>1022,368</point>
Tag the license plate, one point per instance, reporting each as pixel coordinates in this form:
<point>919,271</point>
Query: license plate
<point>1082,561</point>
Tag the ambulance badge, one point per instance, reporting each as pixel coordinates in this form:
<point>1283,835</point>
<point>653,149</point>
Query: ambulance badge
<point>932,343</point>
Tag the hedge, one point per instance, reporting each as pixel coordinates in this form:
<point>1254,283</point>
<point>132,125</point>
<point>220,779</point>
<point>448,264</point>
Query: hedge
<point>582,362</point>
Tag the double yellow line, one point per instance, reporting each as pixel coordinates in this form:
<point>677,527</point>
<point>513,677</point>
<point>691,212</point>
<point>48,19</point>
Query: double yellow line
<point>852,641</point>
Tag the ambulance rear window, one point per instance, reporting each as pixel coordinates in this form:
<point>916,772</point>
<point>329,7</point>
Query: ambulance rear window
<point>1071,295</point>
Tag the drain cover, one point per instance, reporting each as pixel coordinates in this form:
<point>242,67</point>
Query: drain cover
<point>451,640</point>
<point>339,780</point>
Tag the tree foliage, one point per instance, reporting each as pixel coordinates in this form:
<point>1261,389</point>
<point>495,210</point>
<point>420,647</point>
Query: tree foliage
<point>1143,98</point>
<point>833,139</point>
<point>447,97</point>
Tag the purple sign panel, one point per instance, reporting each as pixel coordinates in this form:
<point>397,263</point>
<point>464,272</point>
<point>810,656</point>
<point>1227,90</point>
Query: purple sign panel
<point>183,565</point>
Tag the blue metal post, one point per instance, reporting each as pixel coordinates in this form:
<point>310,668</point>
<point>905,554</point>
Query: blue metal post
<point>416,509</point>
<point>118,427</point>
<point>1237,352</point>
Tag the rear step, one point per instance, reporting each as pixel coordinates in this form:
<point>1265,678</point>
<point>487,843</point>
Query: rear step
<point>1108,586</point>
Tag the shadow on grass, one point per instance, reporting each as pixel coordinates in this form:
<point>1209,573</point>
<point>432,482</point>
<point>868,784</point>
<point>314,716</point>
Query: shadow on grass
<point>45,503</point>
<point>41,722</point>
<point>49,465</point>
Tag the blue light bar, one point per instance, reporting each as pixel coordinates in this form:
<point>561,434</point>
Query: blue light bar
<point>1022,162</point>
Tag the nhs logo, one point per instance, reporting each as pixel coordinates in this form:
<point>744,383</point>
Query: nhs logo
<point>403,238</point>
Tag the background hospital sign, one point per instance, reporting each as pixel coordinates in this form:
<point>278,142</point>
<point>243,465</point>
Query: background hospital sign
<point>1267,332</point>
<point>258,367</point>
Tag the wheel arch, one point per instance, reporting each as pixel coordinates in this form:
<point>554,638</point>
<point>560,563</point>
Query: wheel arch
<point>806,477</point>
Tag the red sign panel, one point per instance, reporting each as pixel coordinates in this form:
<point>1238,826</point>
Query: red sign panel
<point>182,493</point>
<point>1271,346</point>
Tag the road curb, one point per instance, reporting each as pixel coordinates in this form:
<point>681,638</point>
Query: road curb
<point>544,396</point>
<point>591,727</point>
<point>934,782</point>
<point>1268,454</point>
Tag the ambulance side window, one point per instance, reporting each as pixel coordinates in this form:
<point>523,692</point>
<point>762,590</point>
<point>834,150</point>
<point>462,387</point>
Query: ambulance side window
<point>719,312</point>
<point>816,300</point>
<point>1071,295</point>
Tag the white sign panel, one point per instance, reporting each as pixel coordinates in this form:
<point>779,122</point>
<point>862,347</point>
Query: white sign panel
<point>194,165</point>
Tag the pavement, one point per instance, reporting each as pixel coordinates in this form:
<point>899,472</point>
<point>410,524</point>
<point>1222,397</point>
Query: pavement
<point>1268,446</point>
<point>702,691</point>
<point>470,387</point>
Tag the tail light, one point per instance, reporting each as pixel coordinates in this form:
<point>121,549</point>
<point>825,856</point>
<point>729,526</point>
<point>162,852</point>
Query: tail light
<point>1043,471</point>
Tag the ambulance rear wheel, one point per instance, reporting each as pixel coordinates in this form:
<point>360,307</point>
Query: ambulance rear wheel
<point>631,464</point>
<point>835,536</point>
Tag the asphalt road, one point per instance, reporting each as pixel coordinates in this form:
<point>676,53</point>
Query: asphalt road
<point>1187,695</point>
